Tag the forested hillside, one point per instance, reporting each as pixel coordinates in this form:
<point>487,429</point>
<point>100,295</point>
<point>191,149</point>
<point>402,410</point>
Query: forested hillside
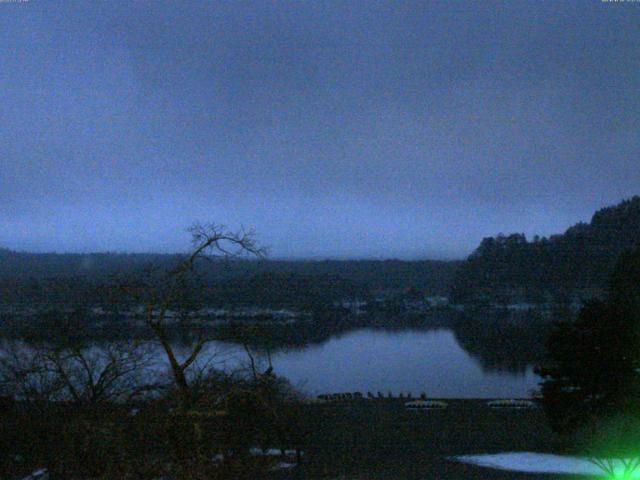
<point>576,264</point>
<point>53,278</point>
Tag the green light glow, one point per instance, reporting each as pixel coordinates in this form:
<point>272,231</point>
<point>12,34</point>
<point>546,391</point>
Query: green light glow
<point>618,468</point>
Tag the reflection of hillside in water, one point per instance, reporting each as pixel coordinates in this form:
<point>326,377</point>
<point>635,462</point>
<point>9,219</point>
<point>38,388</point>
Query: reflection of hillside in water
<point>503,342</point>
<point>295,336</point>
<point>498,341</point>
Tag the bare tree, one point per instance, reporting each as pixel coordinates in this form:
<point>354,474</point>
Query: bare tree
<point>171,297</point>
<point>23,376</point>
<point>76,372</point>
<point>92,375</point>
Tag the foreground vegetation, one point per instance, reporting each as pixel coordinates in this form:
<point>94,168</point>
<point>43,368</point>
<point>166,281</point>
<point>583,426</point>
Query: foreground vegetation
<point>358,439</point>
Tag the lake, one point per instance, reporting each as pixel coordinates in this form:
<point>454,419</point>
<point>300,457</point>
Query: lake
<point>431,361</point>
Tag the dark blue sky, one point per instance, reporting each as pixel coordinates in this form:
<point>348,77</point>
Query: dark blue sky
<point>336,129</point>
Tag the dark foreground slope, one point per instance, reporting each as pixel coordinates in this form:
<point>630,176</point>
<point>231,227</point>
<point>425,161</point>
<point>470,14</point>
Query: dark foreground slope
<point>576,264</point>
<point>369,439</point>
<point>380,439</point>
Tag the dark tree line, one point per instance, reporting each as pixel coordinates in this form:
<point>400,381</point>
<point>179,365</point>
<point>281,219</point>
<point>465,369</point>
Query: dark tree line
<point>575,264</point>
<point>591,384</point>
<point>267,290</point>
<point>26,269</point>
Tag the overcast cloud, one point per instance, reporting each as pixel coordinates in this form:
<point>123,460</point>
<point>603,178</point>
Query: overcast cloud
<point>335,129</point>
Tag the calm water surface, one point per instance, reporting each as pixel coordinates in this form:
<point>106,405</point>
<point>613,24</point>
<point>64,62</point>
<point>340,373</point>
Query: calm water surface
<point>413,361</point>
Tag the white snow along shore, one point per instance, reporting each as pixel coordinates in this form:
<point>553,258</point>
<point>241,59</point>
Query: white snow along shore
<point>531,462</point>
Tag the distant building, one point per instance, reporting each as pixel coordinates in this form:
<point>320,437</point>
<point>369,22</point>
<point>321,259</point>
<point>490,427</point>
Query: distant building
<point>437,301</point>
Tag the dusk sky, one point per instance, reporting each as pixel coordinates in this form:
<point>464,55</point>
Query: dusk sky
<point>335,129</point>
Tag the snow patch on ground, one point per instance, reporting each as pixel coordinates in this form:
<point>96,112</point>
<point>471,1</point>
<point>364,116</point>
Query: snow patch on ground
<point>41,474</point>
<point>531,462</point>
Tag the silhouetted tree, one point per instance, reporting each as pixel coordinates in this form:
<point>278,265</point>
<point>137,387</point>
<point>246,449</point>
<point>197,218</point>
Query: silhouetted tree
<point>70,397</point>
<point>172,297</point>
<point>594,372</point>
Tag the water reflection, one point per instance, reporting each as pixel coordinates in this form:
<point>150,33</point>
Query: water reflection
<point>449,355</point>
<point>512,344</point>
<point>500,342</point>
<point>430,361</point>
<point>490,355</point>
